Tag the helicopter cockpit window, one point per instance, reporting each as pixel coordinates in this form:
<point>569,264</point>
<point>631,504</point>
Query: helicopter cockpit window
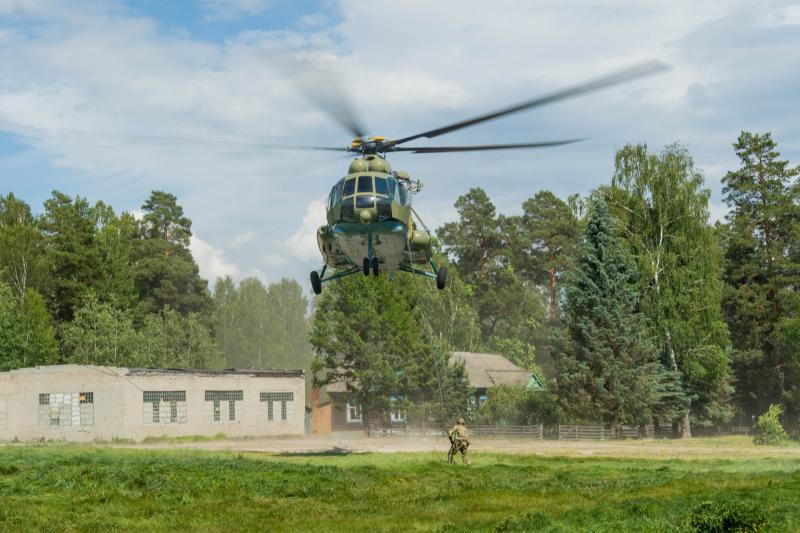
<point>349,187</point>
<point>365,202</point>
<point>365,184</point>
<point>380,186</point>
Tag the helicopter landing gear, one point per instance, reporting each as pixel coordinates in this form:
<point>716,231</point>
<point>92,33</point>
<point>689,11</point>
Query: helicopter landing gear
<point>441,278</point>
<point>316,282</point>
<point>366,266</point>
<point>376,266</point>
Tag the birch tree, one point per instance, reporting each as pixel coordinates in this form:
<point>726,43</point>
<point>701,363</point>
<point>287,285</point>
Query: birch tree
<point>662,211</point>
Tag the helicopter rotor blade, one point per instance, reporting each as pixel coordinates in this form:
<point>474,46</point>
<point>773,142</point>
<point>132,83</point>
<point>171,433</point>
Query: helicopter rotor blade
<point>320,87</point>
<point>101,138</point>
<point>481,147</point>
<point>631,73</point>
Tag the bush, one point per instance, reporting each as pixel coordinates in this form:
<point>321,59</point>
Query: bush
<point>515,405</point>
<point>724,517</point>
<point>769,430</point>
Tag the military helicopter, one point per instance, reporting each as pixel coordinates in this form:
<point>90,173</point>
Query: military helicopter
<point>371,223</point>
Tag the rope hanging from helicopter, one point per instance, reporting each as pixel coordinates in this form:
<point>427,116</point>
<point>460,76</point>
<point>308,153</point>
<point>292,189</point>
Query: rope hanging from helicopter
<point>429,334</point>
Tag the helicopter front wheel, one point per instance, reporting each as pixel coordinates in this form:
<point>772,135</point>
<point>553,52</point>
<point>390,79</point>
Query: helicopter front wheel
<point>316,283</point>
<point>441,278</point>
<point>376,266</point>
<point>366,266</point>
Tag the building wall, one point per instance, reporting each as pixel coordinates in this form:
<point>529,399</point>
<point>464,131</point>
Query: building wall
<point>21,390</point>
<point>339,414</point>
<point>119,409</point>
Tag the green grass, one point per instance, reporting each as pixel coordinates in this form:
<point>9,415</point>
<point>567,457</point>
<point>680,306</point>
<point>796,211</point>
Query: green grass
<point>94,488</point>
<point>188,438</point>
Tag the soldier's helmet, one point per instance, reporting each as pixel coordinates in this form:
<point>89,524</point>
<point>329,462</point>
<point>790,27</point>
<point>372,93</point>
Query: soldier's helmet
<point>461,421</point>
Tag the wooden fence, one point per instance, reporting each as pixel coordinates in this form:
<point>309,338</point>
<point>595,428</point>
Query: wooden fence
<point>566,432</point>
<point>575,432</point>
<point>530,432</point>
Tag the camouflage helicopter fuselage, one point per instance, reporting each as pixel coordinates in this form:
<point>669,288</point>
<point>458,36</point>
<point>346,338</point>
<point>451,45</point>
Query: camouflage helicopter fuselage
<point>370,224</point>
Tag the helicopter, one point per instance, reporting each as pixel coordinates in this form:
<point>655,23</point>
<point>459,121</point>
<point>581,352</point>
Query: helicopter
<point>371,224</point>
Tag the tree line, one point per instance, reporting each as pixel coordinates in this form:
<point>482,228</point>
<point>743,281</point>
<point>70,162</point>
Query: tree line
<point>80,283</point>
<point>634,306</point>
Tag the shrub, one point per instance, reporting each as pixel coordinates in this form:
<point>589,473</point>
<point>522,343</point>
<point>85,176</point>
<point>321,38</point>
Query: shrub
<point>769,430</point>
<point>514,405</point>
<point>724,517</point>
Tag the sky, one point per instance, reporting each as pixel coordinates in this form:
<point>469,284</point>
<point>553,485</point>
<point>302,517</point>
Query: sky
<point>111,99</point>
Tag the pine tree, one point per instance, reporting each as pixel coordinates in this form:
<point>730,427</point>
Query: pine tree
<point>606,364</point>
<point>165,273</point>
<point>761,272</point>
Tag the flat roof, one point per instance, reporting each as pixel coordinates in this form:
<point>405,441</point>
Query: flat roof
<point>255,372</point>
<point>122,371</point>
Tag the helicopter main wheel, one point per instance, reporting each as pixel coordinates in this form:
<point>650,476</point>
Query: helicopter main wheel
<point>441,278</point>
<point>366,266</point>
<point>376,266</point>
<point>316,283</point>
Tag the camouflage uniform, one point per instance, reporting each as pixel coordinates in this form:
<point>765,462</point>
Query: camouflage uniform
<point>459,442</point>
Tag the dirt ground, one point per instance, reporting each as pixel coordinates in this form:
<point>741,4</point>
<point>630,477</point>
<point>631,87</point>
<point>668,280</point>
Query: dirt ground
<point>699,448</point>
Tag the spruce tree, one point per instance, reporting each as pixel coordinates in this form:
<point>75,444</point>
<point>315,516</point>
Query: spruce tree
<point>606,364</point>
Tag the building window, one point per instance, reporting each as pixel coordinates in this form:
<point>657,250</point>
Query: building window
<point>398,413</point>
<point>66,409</point>
<point>224,405</point>
<point>164,407</point>
<point>353,412</point>
<point>277,406</point>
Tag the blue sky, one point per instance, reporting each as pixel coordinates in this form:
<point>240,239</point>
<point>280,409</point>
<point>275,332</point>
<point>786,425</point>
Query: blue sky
<point>84,80</point>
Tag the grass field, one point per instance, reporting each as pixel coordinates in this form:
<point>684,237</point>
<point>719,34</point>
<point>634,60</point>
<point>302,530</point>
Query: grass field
<point>96,488</point>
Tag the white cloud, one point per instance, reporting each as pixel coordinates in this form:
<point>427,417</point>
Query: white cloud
<point>212,261</point>
<point>303,244</point>
<point>243,238</point>
<point>233,9</point>
<point>95,67</point>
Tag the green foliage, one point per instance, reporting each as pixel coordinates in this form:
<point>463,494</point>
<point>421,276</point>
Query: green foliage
<point>761,271</point>
<point>22,262</point>
<point>101,334</point>
<point>11,334</point>
<point>172,340</point>
<point>479,242</point>
<point>725,517</point>
<point>262,327</point>
<point>606,364</point>
<point>69,226</point>
<point>26,331</point>
<point>662,210</point>
<point>165,273</point>
<point>369,333</point>
<point>39,345</point>
<point>515,405</point>
<point>542,240</point>
<point>450,313</point>
<point>768,430</point>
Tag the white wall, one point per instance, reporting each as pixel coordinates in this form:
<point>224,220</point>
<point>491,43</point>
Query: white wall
<point>119,409</point>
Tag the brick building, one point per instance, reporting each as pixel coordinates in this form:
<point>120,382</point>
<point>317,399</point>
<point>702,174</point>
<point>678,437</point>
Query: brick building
<point>85,403</point>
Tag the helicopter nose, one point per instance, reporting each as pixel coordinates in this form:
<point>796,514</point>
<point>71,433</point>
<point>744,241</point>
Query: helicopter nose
<point>365,216</point>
